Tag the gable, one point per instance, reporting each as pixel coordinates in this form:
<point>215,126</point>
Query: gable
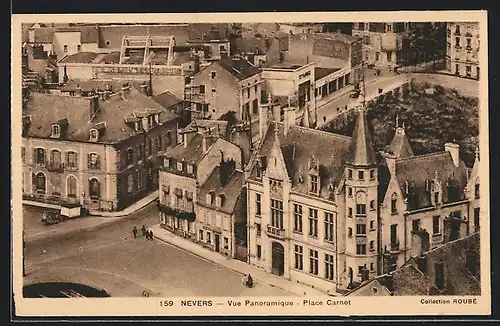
<point>276,168</point>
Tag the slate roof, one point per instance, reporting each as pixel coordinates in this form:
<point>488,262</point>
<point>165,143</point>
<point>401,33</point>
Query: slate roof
<point>231,190</point>
<point>89,34</point>
<point>238,67</point>
<point>95,84</point>
<point>206,32</point>
<point>111,36</point>
<point>216,125</point>
<point>77,111</point>
<point>400,145</point>
<point>167,99</point>
<point>80,57</point>
<point>193,152</point>
<point>250,45</point>
<point>361,152</point>
<point>417,170</point>
<point>298,146</point>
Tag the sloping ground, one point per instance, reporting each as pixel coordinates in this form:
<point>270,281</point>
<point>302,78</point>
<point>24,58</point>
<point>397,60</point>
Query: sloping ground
<point>431,120</point>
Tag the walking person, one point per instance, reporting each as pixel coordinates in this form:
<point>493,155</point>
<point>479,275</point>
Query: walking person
<point>150,234</point>
<point>143,230</point>
<point>134,231</point>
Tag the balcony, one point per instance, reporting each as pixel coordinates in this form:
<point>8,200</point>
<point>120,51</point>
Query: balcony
<point>275,232</point>
<point>394,248</point>
<point>190,216</point>
<point>55,167</point>
<point>437,238</point>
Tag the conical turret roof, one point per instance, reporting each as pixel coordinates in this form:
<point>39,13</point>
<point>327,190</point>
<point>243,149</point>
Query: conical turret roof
<point>361,152</point>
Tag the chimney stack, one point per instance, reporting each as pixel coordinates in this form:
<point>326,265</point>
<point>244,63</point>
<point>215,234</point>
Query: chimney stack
<point>78,90</point>
<point>289,118</point>
<point>94,105</point>
<point>185,138</point>
<point>454,150</point>
<point>204,144</point>
<point>263,112</point>
<point>125,93</point>
<point>365,275</point>
<point>144,89</point>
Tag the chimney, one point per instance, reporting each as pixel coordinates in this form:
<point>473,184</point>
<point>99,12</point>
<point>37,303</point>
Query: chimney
<point>365,275</point>
<point>144,88</point>
<point>204,144</point>
<point>125,93</point>
<point>419,243</point>
<point>185,138</point>
<point>78,90</point>
<point>454,150</point>
<point>94,105</point>
<point>276,112</point>
<point>289,118</point>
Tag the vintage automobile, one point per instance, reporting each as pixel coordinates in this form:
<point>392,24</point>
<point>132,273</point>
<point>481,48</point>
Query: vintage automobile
<point>50,217</point>
<point>355,93</point>
<point>71,210</point>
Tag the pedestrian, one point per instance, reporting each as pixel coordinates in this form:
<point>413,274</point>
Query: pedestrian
<point>150,234</point>
<point>143,230</point>
<point>134,231</point>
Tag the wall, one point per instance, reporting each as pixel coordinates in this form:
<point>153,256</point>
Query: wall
<point>213,221</point>
<point>462,55</point>
<point>106,174</point>
<point>372,288</point>
<point>225,97</point>
<point>75,71</point>
<point>70,39</point>
<point>250,90</point>
<point>303,51</point>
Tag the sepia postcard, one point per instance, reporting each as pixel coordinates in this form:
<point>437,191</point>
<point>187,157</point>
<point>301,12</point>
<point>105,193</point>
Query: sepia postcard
<point>258,164</point>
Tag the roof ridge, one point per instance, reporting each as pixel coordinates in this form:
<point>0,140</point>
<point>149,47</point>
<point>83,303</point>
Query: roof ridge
<point>322,132</point>
<point>422,156</point>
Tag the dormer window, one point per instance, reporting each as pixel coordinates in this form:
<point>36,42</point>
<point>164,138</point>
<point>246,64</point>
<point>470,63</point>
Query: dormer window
<point>436,197</point>
<point>94,135</point>
<point>157,118</point>
<point>220,200</point>
<point>372,174</point>
<point>136,126</point>
<point>190,169</point>
<point>314,184</point>
<point>361,175</point>
<point>166,162</point>
<point>56,131</point>
<point>179,166</point>
<point>349,174</point>
<point>394,203</point>
<point>145,124</point>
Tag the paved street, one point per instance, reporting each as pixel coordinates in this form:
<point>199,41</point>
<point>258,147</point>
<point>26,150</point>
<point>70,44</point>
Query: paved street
<point>110,258</point>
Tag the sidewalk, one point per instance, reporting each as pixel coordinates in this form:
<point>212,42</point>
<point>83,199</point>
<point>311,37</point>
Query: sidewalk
<point>130,209</point>
<point>235,265</point>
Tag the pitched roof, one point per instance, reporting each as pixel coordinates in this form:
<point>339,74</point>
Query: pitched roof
<point>361,152</point>
<point>206,32</point>
<point>89,34</point>
<point>298,146</point>
<point>80,57</point>
<point>167,99</point>
<point>193,152</point>
<point>216,126</point>
<point>400,145</point>
<point>112,36</point>
<point>46,109</point>
<point>240,68</point>
<point>231,190</point>
<point>253,45</point>
<point>95,84</point>
<point>416,171</point>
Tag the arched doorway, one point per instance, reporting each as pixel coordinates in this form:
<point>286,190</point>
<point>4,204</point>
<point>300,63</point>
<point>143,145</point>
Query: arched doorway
<point>40,183</point>
<point>278,259</point>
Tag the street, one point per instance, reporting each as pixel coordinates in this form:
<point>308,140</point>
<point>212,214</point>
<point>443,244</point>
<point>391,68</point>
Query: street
<point>110,258</point>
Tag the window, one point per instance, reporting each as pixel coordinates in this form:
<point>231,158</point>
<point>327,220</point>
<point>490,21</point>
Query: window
<point>158,144</point>
<point>349,174</point>
<point>372,225</point>
<point>394,203</point>
<point>372,245</point>
<point>372,267</point>
<point>313,222</point>
<point>214,92</point>
<point>329,266</point>
<point>93,161</point>
<point>179,166</point>
<point>140,152</point>
<point>436,197</point>
<point>469,43</point>
<point>360,249</point>
<point>297,218</point>
<point>130,183</point>
<point>71,160</point>
<point>226,243</point>
<point>349,191</point>
<point>40,183</point>
<point>457,29</point>
<point>39,156</point>
<point>457,41</point>
<point>56,131</point>
<point>313,261</point>
<point>259,251</point>
<point>372,205</point>
<point>349,233</point>
<point>94,191</point>
<point>468,71</point>
<point>299,257</point>
<point>55,159</point>
<point>377,56</point>
<point>314,184</point>
<point>366,39</point>
<point>349,212</point>
<point>257,205</point>
<point>79,47</point>
<point>255,89</point>
<point>277,213</point>
<point>202,89</point>
<point>149,147</point>
<point>201,235</point>
<point>361,229</point>
<point>360,209</point>
<point>130,157</point>
<point>361,175</point>
<point>415,225</point>
<point>65,48</point>
<point>439,275</point>
<point>248,92</point>
<point>258,229</point>
<point>71,186</point>
<point>23,154</point>
<point>213,74</point>
<point>168,139</point>
<point>190,169</point>
<point>140,179</point>
<point>476,219</point>
<point>389,28</point>
<point>374,290</point>
<point>372,174</point>
<point>389,56</point>
<point>329,226</point>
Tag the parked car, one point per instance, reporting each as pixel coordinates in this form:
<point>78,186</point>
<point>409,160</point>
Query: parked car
<point>50,217</point>
<point>354,94</point>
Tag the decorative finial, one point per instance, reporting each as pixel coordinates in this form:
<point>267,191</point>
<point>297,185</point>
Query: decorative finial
<point>289,102</point>
<point>477,153</point>
<point>269,98</point>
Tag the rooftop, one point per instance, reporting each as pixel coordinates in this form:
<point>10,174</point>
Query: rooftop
<point>206,32</point>
<point>231,190</point>
<point>238,67</point>
<point>193,152</point>
<point>89,34</point>
<point>287,66</point>
<point>167,99</point>
<point>77,112</point>
<point>94,84</point>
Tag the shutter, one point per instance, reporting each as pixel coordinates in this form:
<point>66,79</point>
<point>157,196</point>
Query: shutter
<point>88,162</point>
<point>51,158</point>
<point>34,156</point>
<point>76,165</point>
<point>98,162</point>
<point>33,180</point>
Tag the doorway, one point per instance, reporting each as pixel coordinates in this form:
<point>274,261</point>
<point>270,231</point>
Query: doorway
<point>217,242</point>
<point>278,259</point>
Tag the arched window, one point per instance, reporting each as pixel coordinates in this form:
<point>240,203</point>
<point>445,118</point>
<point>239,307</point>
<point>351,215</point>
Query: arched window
<point>55,159</point>
<point>71,160</point>
<point>40,183</point>
<point>130,183</point>
<point>71,186</point>
<point>476,188</point>
<point>93,161</point>
<point>394,203</point>
<point>130,156</point>
<point>94,188</point>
